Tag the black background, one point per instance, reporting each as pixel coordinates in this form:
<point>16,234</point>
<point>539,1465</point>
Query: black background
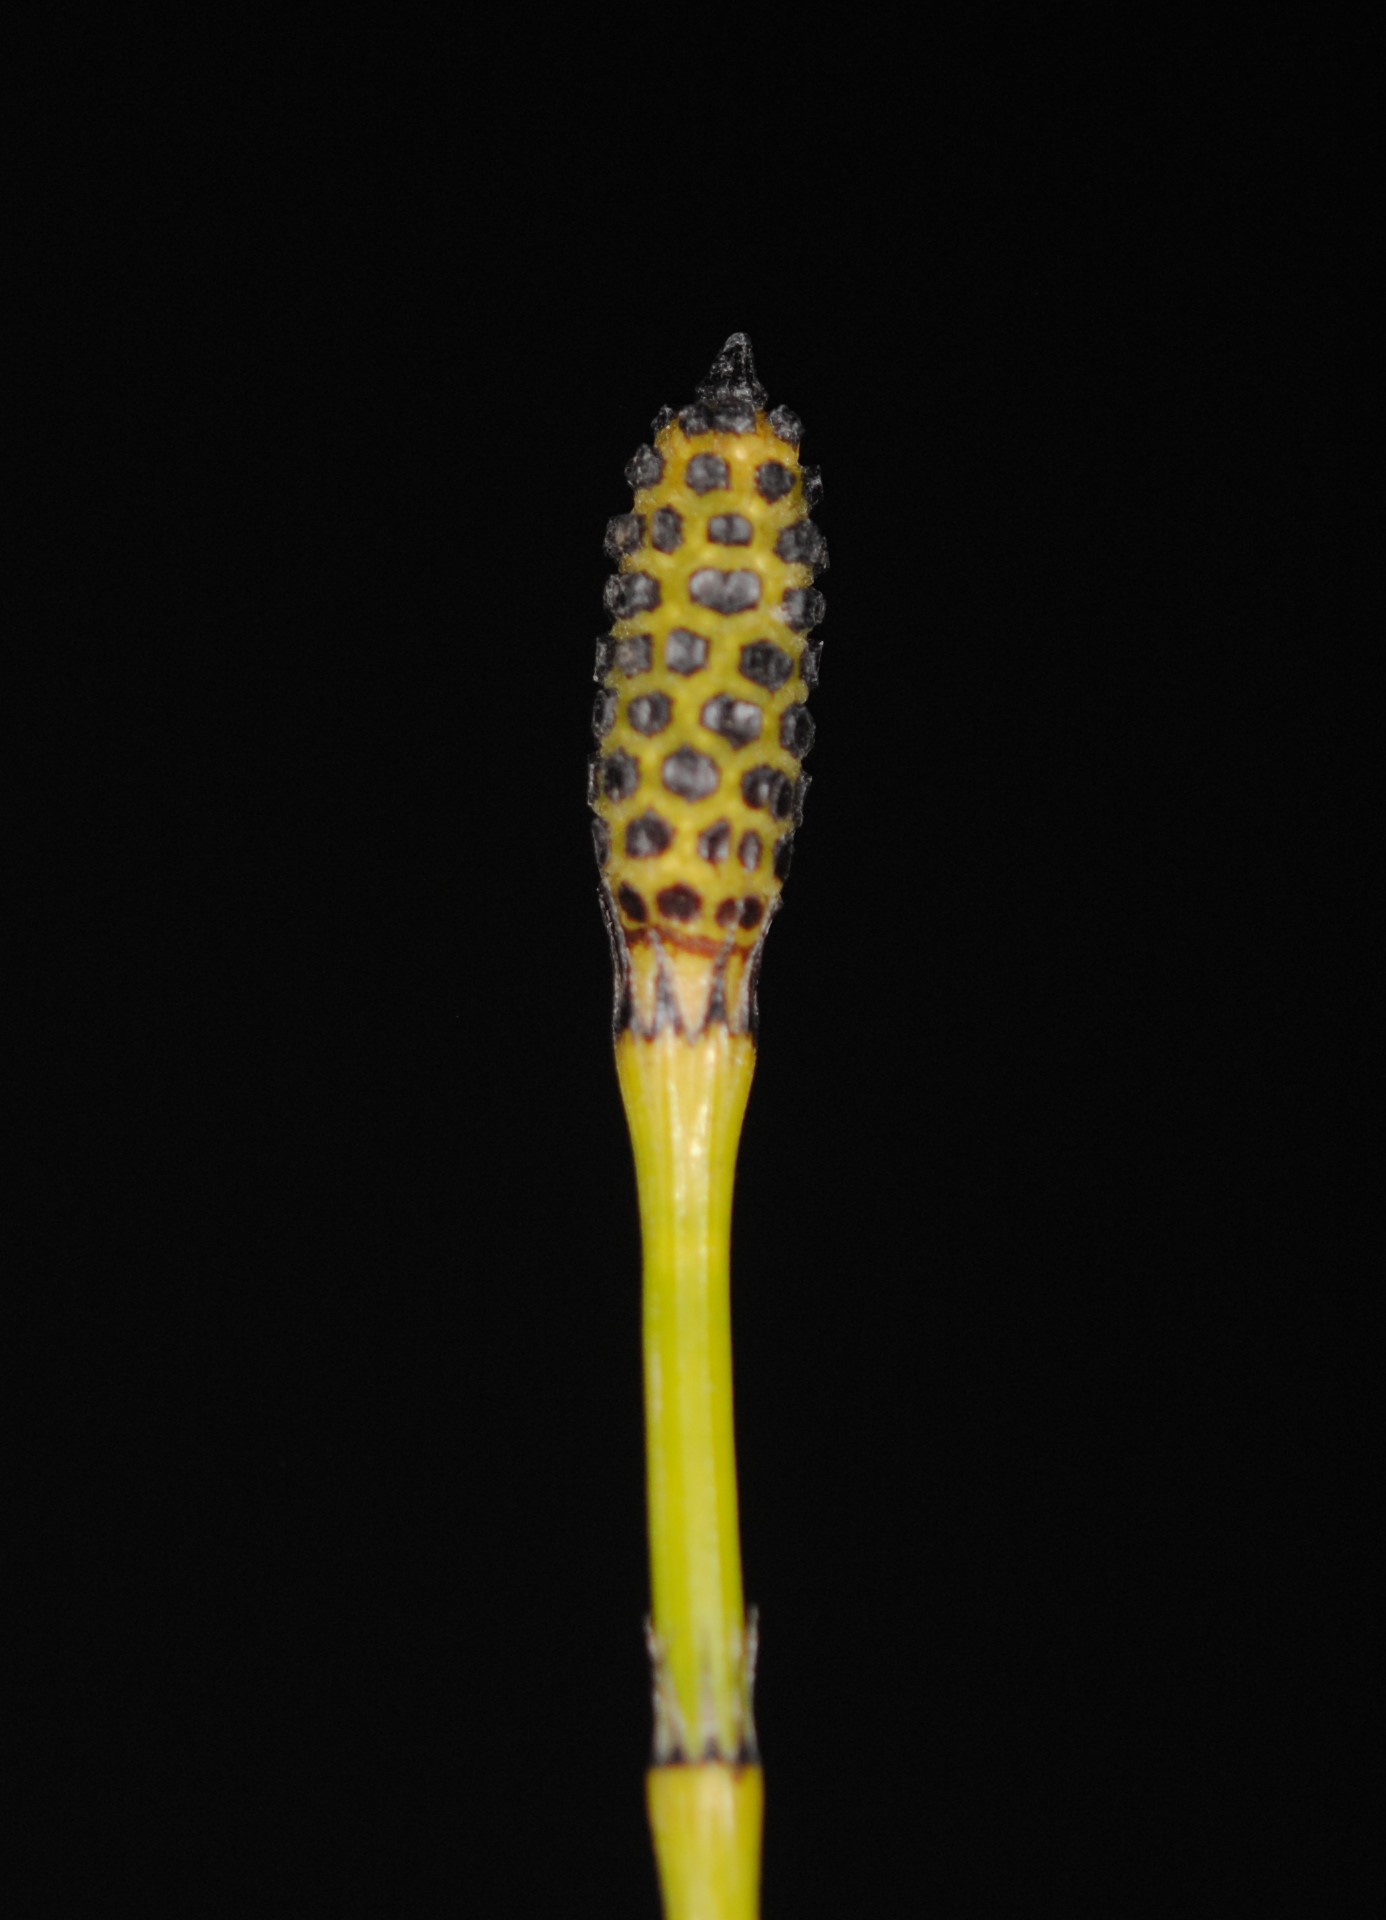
<point>343,348</point>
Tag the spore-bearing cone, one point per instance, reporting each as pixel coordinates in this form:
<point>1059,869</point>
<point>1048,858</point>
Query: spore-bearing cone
<point>702,724</point>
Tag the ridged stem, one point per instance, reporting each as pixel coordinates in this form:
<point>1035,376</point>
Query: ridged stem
<point>685,1101</point>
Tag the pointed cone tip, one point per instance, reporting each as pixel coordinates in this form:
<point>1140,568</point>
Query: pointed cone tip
<point>732,375</point>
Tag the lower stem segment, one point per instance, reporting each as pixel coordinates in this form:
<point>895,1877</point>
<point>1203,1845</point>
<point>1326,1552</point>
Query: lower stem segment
<point>685,1101</point>
<point>707,1824</point>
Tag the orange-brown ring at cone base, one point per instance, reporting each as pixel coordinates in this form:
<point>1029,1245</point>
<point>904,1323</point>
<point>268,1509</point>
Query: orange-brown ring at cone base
<point>697,869</point>
<point>665,981</point>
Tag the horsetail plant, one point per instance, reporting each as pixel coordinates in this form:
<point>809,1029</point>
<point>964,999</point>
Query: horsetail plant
<point>698,789</point>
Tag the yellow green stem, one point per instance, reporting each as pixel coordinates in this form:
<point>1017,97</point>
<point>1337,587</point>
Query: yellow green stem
<point>685,1100</point>
<point>707,1822</point>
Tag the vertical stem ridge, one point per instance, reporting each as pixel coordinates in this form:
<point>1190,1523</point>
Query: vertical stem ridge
<point>685,1101</point>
